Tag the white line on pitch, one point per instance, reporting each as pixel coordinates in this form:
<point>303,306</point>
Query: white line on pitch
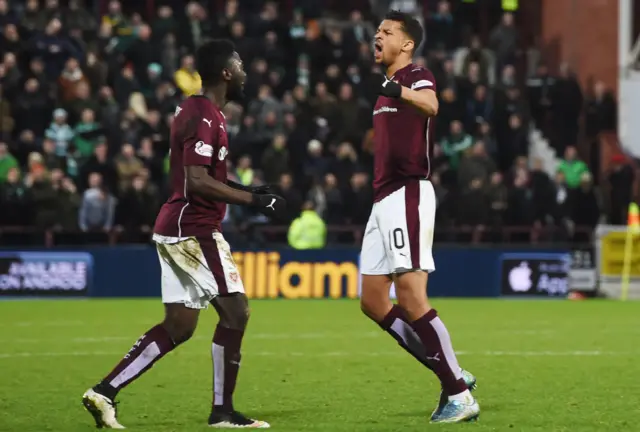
<point>342,354</point>
<point>267,336</point>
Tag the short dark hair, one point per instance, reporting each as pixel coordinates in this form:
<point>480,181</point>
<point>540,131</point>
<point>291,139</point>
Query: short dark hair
<point>211,58</point>
<point>410,25</point>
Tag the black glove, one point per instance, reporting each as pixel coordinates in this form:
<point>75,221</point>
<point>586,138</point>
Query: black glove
<point>270,205</point>
<point>264,189</point>
<point>389,88</point>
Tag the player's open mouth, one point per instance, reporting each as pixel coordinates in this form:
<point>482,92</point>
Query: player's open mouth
<point>377,47</point>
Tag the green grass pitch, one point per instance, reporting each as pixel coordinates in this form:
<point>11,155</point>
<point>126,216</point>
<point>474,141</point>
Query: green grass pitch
<point>321,366</point>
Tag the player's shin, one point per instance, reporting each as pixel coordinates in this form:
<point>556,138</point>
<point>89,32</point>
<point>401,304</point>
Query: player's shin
<point>225,352</point>
<point>440,354</point>
<point>150,348</point>
<point>396,324</point>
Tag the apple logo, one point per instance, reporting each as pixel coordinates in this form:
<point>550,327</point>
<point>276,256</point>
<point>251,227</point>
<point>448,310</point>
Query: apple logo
<point>520,278</point>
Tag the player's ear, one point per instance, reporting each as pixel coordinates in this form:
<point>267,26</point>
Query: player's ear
<point>408,46</point>
<point>226,74</point>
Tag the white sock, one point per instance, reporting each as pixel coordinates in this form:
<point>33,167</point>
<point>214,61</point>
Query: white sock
<point>464,397</point>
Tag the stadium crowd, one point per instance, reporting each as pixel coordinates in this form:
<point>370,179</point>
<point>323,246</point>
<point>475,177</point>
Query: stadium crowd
<point>86,102</point>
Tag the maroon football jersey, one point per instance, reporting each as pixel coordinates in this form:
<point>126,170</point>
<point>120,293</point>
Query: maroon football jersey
<point>198,137</point>
<point>403,136</point>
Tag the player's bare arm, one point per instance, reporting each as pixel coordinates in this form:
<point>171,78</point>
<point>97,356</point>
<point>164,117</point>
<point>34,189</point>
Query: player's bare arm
<point>199,182</point>
<point>424,100</point>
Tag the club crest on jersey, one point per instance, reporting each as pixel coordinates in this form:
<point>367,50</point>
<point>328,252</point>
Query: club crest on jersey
<point>234,277</point>
<point>204,149</point>
<point>223,153</point>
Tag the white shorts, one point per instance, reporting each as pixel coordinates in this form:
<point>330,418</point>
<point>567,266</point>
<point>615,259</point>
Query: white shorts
<point>399,235</point>
<point>195,270</point>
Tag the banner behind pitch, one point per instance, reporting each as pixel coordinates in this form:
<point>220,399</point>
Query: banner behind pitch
<point>527,274</point>
<point>45,273</point>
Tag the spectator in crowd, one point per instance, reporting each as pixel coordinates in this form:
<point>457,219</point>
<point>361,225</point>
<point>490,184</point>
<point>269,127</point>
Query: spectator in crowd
<point>139,205</point>
<point>585,208</point>
<point>474,205</point>
<point>316,165</point>
<point>14,199</point>
<point>307,231</point>
<point>621,178</point>
<point>86,134</point>
<point>562,208</point>
<point>275,160</point>
<point>334,213</point>
<point>454,145</point>
<point>128,166</point>
<point>504,40</point>
<point>53,47</point>
<point>498,200</point>
<point>69,79</point>
<point>539,89</point>
<point>293,197</point>
<point>442,25</point>
<point>187,78</point>
<point>600,111</point>
<point>476,165</point>
<point>7,162</point>
<point>359,199</point>
<point>97,210</point>
<point>572,168</point>
<point>567,103</point>
<point>60,132</point>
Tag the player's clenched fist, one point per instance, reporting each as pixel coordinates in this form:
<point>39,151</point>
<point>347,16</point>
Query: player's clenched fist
<point>270,205</point>
<point>262,190</point>
<point>389,88</point>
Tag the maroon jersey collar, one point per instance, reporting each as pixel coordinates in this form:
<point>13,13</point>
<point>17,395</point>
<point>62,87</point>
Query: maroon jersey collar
<point>402,70</point>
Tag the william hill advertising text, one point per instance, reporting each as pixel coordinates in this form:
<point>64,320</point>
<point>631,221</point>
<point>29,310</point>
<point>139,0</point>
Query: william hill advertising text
<point>298,274</point>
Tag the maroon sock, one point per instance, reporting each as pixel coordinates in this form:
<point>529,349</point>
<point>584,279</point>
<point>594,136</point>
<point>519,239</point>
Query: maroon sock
<point>440,354</point>
<point>396,324</point>
<point>150,348</point>
<point>225,352</point>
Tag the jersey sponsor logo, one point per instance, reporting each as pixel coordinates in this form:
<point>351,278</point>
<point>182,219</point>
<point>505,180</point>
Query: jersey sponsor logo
<point>223,153</point>
<point>421,83</point>
<point>204,149</point>
<point>207,121</point>
<point>385,109</point>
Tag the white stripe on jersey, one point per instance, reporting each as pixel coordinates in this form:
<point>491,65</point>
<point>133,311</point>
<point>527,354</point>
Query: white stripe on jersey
<point>427,139</point>
<point>183,207</point>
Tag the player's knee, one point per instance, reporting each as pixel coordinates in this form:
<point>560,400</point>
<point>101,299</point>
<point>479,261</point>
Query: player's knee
<point>179,331</point>
<point>233,311</point>
<point>412,300</point>
<point>374,308</point>
<point>237,318</point>
<point>180,322</point>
